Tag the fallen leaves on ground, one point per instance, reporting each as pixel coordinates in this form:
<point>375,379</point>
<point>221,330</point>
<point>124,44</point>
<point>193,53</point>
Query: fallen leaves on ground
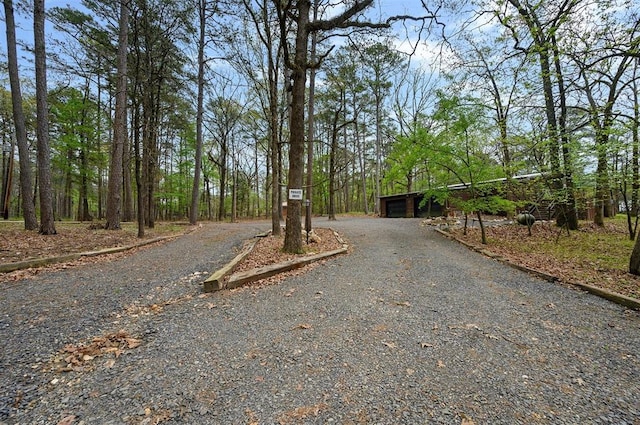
<point>155,417</point>
<point>303,326</point>
<point>466,420</point>
<point>301,413</point>
<point>252,417</point>
<point>136,310</point>
<point>78,357</point>
<point>68,420</point>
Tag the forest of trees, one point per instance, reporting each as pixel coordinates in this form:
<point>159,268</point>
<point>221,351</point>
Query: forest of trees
<point>146,110</point>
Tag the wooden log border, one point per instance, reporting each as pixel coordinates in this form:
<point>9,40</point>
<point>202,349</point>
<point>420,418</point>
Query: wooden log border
<point>224,279</point>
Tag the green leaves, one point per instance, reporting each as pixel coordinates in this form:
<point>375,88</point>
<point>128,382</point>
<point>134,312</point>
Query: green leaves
<point>454,154</point>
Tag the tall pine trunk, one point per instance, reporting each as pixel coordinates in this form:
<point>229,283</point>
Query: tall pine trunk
<point>47,219</point>
<point>26,186</point>
<point>293,234</point>
<point>83,190</point>
<point>311,124</point>
<point>635,149</point>
<point>114,193</point>
<point>195,190</point>
<point>223,180</point>
<point>274,142</point>
<point>332,165</point>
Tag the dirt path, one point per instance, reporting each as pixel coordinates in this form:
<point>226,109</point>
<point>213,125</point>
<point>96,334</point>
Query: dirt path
<point>408,328</point>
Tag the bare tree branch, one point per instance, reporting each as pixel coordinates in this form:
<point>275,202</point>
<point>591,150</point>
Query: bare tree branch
<point>341,20</point>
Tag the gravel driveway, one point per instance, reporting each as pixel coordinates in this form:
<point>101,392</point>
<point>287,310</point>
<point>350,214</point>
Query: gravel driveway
<point>409,328</point>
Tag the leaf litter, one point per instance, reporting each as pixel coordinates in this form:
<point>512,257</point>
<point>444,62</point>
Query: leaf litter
<point>79,357</point>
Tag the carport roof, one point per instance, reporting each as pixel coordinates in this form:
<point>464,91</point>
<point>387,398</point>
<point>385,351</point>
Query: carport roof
<point>462,186</point>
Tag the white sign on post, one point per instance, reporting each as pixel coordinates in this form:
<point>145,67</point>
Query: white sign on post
<point>295,194</point>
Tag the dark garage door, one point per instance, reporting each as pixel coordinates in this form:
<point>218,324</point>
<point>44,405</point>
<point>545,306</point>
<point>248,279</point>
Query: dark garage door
<point>397,209</point>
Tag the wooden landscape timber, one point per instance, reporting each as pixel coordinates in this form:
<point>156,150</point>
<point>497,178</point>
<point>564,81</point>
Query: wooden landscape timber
<point>242,278</point>
<point>215,282</point>
<point>225,278</point>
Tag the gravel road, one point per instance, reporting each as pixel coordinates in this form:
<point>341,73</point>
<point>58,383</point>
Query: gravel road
<point>409,328</point>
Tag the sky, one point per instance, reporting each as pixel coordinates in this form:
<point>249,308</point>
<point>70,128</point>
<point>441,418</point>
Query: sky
<point>422,50</point>
<point>381,10</point>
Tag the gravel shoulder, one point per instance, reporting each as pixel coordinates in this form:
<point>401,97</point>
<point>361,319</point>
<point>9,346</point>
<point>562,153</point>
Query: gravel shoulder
<point>409,327</point>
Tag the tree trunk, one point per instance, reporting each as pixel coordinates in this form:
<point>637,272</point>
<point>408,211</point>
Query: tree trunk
<point>26,187</point>
<point>137,165</point>
<point>552,127</point>
<point>483,232</point>
<point>311,123</point>
<point>376,207</point>
<point>207,194</point>
<point>83,192</point>
<point>83,201</point>
<point>234,189</point>
<point>99,145</point>
<point>114,191</point>
<point>634,261</point>
<point>223,180</point>
<point>195,190</point>
<point>128,211</point>
<point>128,179</point>
<point>148,159</point>
<point>262,17</point>
<point>635,148</point>
<point>569,204</point>
<point>602,192</point>
<point>64,204</point>
<point>349,168</point>
<point>274,141</point>
<point>149,153</point>
<point>332,165</point>
<point>298,67</point>
<point>363,175</point>
<point>47,219</point>
<point>602,121</point>
<point>256,172</point>
<point>293,234</point>
<point>140,189</point>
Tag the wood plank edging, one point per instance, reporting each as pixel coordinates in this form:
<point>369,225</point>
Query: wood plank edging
<point>242,278</point>
<point>215,282</point>
<point>39,262</point>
